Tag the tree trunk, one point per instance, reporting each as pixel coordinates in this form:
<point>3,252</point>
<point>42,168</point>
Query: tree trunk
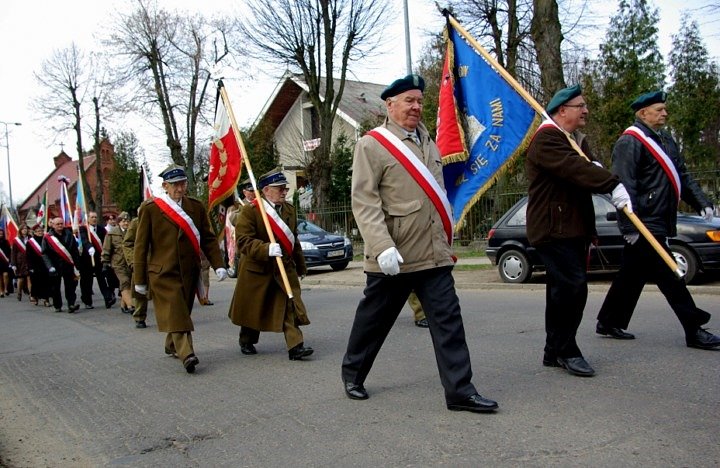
<point>99,187</point>
<point>547,37</point>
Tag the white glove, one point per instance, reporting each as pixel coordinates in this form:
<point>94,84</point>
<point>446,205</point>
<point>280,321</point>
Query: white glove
<point>707,213</point>
<point>222,274</point>
<point>274,250</point>
<point>632,238</point>
<point>620,198</point>
<point>91,251</point>
<point>389,261</point>
<point>51,270</point>
<point>597,163</point>
<point>141,289</point>
<point>14,269</point>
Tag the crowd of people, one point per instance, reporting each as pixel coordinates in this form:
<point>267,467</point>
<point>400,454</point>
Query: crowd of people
<point>403,214</point>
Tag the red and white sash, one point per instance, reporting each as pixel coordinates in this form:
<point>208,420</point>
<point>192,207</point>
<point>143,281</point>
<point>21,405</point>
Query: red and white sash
<point>94,238</point>
<point>283,234</point>
<point>420,173</point>
<point>659,154</point>
<point>20,244</point>
<point>59,249</point>
<point>175,212</point>
<point>35,246</point>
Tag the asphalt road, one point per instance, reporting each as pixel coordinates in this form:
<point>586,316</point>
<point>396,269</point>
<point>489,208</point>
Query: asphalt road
<point>90,390</point>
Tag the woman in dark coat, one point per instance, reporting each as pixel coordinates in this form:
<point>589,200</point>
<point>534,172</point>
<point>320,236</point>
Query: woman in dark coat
<point>39,279</point>
<point>18,261</point>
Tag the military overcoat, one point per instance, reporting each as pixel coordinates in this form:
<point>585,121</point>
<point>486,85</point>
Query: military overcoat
<point>260,301</point>
<point>165,260</point>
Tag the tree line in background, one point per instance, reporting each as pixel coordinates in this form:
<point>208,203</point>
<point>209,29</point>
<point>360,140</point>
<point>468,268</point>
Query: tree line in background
<point>161,64</point>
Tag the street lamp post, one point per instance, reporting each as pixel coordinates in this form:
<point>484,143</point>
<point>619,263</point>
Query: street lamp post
<point>7,147</point>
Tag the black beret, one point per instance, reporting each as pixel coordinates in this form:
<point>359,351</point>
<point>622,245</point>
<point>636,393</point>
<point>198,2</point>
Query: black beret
<point>563,96</point>
<point>403,84</point>
<point>648,99</point>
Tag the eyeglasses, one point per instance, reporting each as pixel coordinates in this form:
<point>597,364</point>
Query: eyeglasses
<point>579,106</point>
<point>283,189</point>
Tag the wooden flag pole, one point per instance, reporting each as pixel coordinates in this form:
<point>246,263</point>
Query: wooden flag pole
<point>263,214</point>
<point>538,108</point>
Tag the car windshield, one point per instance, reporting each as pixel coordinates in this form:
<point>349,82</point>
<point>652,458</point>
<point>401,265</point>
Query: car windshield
<point>306,227</point>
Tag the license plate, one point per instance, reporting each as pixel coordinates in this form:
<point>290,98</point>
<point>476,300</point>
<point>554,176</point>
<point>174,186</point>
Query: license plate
<point>335,253</point>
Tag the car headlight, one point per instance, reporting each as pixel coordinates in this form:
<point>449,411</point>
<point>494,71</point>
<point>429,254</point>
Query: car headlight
<point>348,241</point>
<point>713,235</point>
<point>307,245</point>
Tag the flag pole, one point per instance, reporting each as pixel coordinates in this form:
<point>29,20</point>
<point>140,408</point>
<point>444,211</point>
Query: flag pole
<point>538,108</point>
<point>260,204</point>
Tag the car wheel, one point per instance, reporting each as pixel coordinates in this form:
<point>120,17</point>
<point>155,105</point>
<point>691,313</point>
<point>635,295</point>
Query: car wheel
<point>686,261</point>
<point>514,267</point>
<point>339,266</point>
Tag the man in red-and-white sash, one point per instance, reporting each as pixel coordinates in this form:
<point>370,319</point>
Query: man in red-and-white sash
<point>60,254</point>
<point>650,165</point>
<point>401,209</point>
<point>260,302</point>
<point>171,232</point>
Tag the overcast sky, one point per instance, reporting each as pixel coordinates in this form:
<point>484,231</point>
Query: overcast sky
<point>31,30</point>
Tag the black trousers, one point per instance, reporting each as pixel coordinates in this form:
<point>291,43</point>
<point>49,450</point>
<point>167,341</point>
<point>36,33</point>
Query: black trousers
<point>67,276</point>
<point>384,297</point>
<point>642,264</point>
<point>565,295</point>
<point>86,282</point>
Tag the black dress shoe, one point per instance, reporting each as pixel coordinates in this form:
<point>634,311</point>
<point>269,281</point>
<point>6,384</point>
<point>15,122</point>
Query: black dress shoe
<point>355,391</point>
<point>703,339</point>
<point>170,352</point>
<point>476,403</point>
<point>577,366</point>
<point>140,324</point>
<point>613,332</point>
<point>422,323</point>
<point>248,349</point>
<point>72,308</point>
<point>190,362</point>
<point>550,361</point>
<point>110,302</point>
<point>89,306</point>
<point>300,351</point>
<point>58,310</point>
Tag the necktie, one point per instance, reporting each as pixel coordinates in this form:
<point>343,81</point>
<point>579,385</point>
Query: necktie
<point>414,137</point>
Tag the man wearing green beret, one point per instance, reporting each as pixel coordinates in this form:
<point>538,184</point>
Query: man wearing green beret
<point>648,162</point>
<point>396,182</point>
<point>561,220</point>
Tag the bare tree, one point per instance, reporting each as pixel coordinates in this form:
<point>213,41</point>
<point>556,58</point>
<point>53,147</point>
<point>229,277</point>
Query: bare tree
<point>166,60</point>
<point>65,77</point>
<point>320,38</point>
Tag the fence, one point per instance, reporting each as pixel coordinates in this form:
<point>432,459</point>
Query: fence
<point>338,217</point>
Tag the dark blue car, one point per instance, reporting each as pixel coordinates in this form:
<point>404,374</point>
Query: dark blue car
<point>322,248</point>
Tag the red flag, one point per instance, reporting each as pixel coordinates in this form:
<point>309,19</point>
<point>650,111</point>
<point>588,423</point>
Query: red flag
<point>146,188</point>
<point>225,158</point>
<point>450,137</point>
<point>8,223</point>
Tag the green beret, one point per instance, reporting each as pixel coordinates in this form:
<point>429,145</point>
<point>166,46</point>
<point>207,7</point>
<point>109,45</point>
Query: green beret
<point>403,84</point>
<point>563,96</point>
<point>648,99</point>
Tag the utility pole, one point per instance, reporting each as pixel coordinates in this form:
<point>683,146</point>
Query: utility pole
<point>7,147</point>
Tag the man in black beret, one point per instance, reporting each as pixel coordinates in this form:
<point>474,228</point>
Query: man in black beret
<point>563,176</point>
<point>648,162</point>
<point>418,256</point>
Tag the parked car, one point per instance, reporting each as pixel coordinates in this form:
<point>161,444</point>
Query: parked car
<point>323,248</point>
<point>695,248</point>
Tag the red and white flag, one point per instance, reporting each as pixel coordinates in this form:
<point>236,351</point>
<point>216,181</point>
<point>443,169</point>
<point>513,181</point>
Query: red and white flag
<point>225,156</point>
<point>146,188</point>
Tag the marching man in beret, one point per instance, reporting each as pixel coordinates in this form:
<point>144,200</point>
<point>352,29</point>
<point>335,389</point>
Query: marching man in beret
<point>561,221</point>
<point>405,220</point>
<point>649,163</point>
<point>171,232</point>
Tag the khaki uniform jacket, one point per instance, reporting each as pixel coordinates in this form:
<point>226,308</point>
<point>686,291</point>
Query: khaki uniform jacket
<point>164,259</point>
<point>113,253</point>
<point>260,301</point>
<point>392,210</point>
<point>561,186</point>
